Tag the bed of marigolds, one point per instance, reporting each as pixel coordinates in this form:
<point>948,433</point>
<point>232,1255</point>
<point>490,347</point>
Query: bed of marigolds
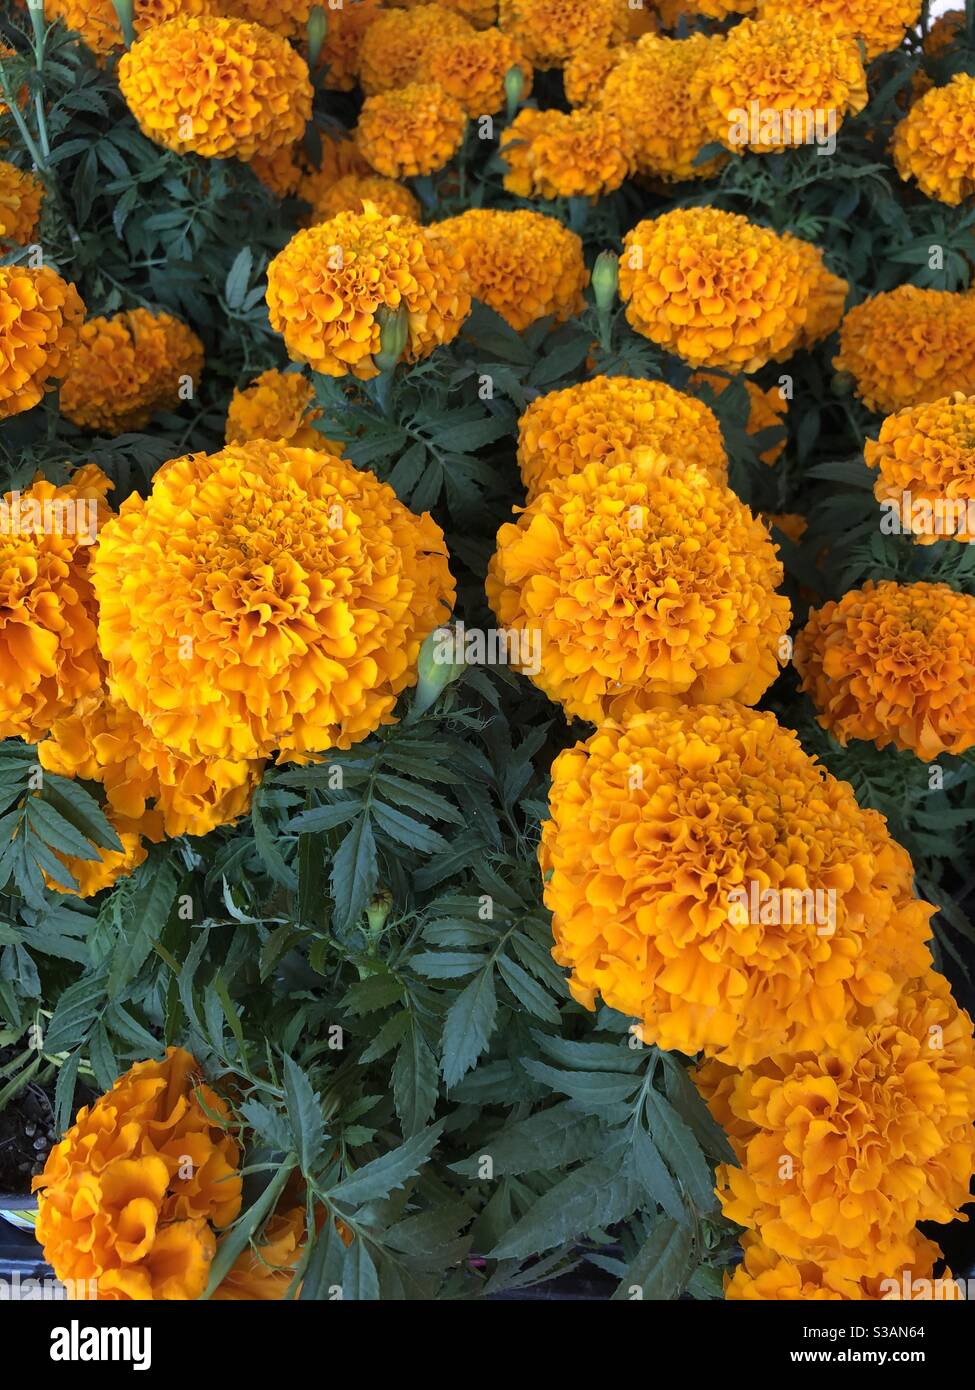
<point>630,191</point>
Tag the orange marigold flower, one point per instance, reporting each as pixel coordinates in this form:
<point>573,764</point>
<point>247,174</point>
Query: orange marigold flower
<point>584,75</point>
<point>352,192</point>
<point>92,875</point>
<point>481,13</point>
<point>764,1276</point>
<point>326,288</point>
<point>266,598</point>
<point>115,1204</point>
<point>340,55</point>
<point>48,642</point>
<point>551,31</point>
<point>523,265</point>
<point>412,130</point>
<point>609,419</point>
<point>779,68</point>
<point>265,1272</point>
<point>656,831</point>
<point>21,195</point>
<point>394,49</point>
<point>943,32</point>
<point>766,409</point>
<point>926,460</point>
<point>673,10</point>
<point>713,287</point>
<point>650,89</point>
<point>639,588</point>
<point>892,663</point>
<point>908,346</point>
<point>340,157</point>
<point>287,17</point>
<point>148,786</point>
<point>881,27</point>
<point>472,68</point>
<point>40,318</point>
<point>262,100</point>
<point>280,171</point>
<point>97,22</point>
<point>279,406</point>
<point>126,368</point>
<point>855,1142</point>
<point>555,154</point>
<point>827,294</point>
<point>935,142</point>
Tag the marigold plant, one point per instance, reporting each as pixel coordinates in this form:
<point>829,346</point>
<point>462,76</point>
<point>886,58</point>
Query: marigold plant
<point>107,866</point>
<point>585,74</point>
<point>853,1144</point>
<point>127,367</point>
<point>880,27</point>
<point>766,409</point>
<point>40,319</point>
<point>642,588</point>
<point>472,68</point>
<point>412,130</point>
<point>610,419</point>
<point>655,831</point>
<point>264,94</point>
<point>892,663</point>
<point>524,265</point>
<point>266,598</point>
<point>713,287</point>
<point>935,142</point>
<point>97,21</point>
<point>115,1204</point>
<point>908,346</point>
<point>287,17</point>
<point>395,49</point>
<point>341,51</point>
<point>554,154</point>
<point>551,31</point>
<point>327,287</point>
<point>925,455</point>
<point>767,1277</point>
<point>352,192</point>
<point>279,406</point>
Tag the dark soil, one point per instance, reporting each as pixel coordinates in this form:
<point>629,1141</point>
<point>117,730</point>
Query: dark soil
<point>26,1136</point>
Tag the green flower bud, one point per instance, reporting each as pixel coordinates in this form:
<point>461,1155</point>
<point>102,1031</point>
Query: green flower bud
<point>317,30</point>
<point>394,331</point>
<point>605,279</point>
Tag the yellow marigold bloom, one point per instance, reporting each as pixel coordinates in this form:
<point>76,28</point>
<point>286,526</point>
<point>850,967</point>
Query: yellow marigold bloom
<point>148,786</point>
<point>126,368</point>
<point>641,589</point>
<point>908,346</point>
<point>774,66</point>
<point>340,157</point>
<point>881,27</point>
<point>326,288</point>
<point>764,1276</point>
<point>287,17</point>
<point>935,142</point>
<point>608,419</point>
<point>340,53</point>
<point>21,195</point>
<point>827,294</point>
<point>523,265</point>
<point>278,406</point>
<point>415,129</point>
<point>554,154</point>
<point>352,192</point>
<point>261,101</point>
<point>651,91</point>
<point>673,10</point>
<point>48,642</point>
<point>279,172</point>
<point>658,829</point>
<point>552,31</point>
<point>40,318</point>
<point>472,68</point>
<point>266,598</point>
<point>481,13</point>
<point>584,75</point>
<point>714,288</point>
<point>394,49</point>
<point>97,22</point>
<point>765,409</point>
<point>943,32</point>
<point>928,453</point>
<point>892,663</point>
<point>115,1203</point>
<point>92,875</point>
<point>856,1142</point>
